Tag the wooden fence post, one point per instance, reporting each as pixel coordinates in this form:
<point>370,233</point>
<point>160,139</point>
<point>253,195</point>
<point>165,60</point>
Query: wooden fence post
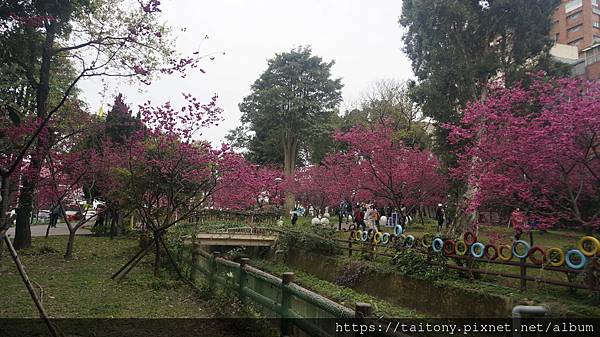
<point>350,246</point>
<point>362,311</point>
<point>522,274</point>
<point>194,261</point>
<point>212,271</point>
<point>286,302</point>
<point>243,281</point>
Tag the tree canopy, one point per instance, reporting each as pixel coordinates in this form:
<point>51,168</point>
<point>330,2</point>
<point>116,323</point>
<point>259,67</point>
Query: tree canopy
<point>457,47</point>
<point>290,108</point>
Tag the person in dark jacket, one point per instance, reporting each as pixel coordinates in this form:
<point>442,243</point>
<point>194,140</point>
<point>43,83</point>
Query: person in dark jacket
<point>440,216</point>
<point>54,215</point>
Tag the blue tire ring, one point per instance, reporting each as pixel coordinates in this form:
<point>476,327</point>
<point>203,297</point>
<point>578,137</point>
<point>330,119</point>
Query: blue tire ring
<point>525,245</point>
<point>364,236</point>
<point>437,245</point>
<point>570,264</point>
<point>398,230</point>
<point>481,249</point>
<point>385,239</point>
<point>409,241</point>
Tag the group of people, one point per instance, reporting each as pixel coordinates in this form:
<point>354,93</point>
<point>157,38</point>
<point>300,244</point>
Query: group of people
<point>367,215</point>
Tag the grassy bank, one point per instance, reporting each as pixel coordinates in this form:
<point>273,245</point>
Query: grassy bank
<point>82,288</point>
<point>340,294</point>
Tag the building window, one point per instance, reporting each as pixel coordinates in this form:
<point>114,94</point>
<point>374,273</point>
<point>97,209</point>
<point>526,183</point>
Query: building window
<point>574,29</point>
<point>574,16</point>
<point>595,2</point>
<point>576,42</point>
<point>572,5</point>
<point>596,24</point>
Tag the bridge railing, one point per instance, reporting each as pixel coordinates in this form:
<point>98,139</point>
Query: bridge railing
<point>301,312</point>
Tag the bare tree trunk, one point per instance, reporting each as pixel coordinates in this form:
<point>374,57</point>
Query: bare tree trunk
<point>23,230</point>
<point>69,251</point>
<point>290,149</point>
<point>157,256</point>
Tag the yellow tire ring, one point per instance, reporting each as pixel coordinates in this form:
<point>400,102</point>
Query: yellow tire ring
<point>357,234</point>
<point>461,247</point>
<point>377,237</point>
<point>502,252</point>
<point>551,254</point>
<point>593,241</point>
<point>427,240</point>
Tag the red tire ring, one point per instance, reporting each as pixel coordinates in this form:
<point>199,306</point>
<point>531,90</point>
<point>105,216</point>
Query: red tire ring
<point>469,238</point>
<point>486,252</point>
<point>449,247</point>
<point>535,260</point>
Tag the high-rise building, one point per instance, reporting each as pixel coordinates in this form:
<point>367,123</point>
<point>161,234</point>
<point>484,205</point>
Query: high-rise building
<point>577,23</point>
<point>576,32</point>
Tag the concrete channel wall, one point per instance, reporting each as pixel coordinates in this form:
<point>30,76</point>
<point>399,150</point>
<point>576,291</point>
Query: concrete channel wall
<point>408,292</point>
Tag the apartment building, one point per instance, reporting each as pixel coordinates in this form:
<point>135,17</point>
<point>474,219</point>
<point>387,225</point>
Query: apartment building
<point>577,24</point>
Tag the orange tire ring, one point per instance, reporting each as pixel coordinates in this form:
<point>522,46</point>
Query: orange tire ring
<point>534,259</point>
<point>488,255</point>
<point>449,247</point>
<point>469,238</point>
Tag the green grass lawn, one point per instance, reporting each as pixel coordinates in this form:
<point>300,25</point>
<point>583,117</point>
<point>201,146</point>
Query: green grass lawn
<point>82,287</point>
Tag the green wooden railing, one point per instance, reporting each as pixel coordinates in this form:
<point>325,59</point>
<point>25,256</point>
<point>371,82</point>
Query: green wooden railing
<point>294,306</point>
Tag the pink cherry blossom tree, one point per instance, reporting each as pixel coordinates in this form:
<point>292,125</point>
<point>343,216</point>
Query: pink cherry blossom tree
<point>243,185</point>
<point>163,173</point>
<point>392,173</point>
<point>536,148</point>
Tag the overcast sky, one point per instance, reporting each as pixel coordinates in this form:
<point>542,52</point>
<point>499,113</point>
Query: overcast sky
<point>362,36</point>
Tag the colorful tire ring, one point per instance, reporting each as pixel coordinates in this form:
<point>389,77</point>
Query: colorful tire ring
<point>449,247</point>
<point>377,237</point>
<point>461,247</point>
<point>535,260</point>
<point>486,252</point>
<point>437,244</point>
<point>573,265</point>
<point>385,239</point>
<point>551,260</point>
<point>398,230</point>
<point>469,238</point>
<point>475,246</point>
<point>364,236</point>
<point>588,239</point>
<point>526,248</point>
<point>505,256</point>
<point>409,241</point>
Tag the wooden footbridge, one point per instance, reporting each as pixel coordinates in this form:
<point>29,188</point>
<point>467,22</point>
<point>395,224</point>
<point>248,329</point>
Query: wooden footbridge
<point>239,236</point>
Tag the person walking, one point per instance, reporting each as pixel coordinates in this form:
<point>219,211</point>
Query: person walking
<point>294,217</point>
<point>54,215</point>
<point>440,216</point>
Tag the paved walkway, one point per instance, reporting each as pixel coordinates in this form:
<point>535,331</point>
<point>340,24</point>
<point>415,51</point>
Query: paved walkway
<point>40,230</point>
